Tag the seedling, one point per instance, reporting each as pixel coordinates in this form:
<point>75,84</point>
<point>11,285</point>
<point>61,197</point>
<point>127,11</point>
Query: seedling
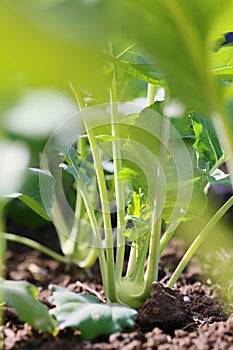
<point>145,206</point>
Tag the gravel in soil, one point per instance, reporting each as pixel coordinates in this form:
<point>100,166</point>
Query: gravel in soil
<point>188,317</point>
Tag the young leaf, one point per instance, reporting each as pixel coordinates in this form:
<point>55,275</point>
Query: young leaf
<point>22,296</point>
<point>139,216</point>
<point>207,143</point>
<point>37,191</point>
<point>136,178</point>
<point>87,314</point>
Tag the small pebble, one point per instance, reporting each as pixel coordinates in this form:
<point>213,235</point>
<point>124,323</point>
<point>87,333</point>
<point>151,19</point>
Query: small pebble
<point>186,299</point>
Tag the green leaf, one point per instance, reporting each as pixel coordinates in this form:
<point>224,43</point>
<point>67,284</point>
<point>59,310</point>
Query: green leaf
<point>176,35</point>
<point>198,201</point>
<point>133,64</point>
<point>184,128</point>
<point>139,215</point>
<point>207,143</point>
<point>136,178</point>
<point>49,46</point>
<point>74,167</point>
<point>137,232</point>
<point>23,297</point>
<point>87,314</point>
<point>37,191</point>
<point>180,170</point>
<point>62,296</point>
<point>222,63</point>
<point>174,206</point>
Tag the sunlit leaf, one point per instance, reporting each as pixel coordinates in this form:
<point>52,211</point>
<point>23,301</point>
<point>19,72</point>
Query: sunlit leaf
<point>222,63</point>
<point>176,35</point>
<point>35,50</point>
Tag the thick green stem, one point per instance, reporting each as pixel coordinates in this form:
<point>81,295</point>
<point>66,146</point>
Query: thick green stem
<point>80,149</point>
<point>107,269</point>
<point>154,250</point>
<point>153,260</point>
<point>164,240</point>
<point>131,269</point>
<point>119,190</point>
<point>105,211</point>
<point>96,231</point>
<point>198,240</point>
<point>151,89</point>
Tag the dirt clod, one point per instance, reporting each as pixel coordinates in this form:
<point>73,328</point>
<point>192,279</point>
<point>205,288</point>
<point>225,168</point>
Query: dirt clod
<point>165,309</point>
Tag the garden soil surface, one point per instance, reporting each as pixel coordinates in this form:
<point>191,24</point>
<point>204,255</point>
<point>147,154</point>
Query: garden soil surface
<point>191,316</point>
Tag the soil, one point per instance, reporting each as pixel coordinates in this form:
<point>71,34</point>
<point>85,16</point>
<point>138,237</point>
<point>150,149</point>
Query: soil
<point>191,316</point>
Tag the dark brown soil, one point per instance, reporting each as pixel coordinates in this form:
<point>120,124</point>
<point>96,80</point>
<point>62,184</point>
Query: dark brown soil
<point>188,317</point>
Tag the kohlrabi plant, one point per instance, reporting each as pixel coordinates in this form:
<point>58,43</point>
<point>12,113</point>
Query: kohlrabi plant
<point>137,170</point>
<point>138,173</point>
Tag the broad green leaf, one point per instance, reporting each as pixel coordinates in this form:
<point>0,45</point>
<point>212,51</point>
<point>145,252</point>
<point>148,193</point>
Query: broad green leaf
<point>176,34</point>
<point>37,191</point>
<point>222,63</point>
<point>207,143</point>
<point>35,50</point>
<point>88,315</point>
<point>79,22</point>
<point>23,297</point>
